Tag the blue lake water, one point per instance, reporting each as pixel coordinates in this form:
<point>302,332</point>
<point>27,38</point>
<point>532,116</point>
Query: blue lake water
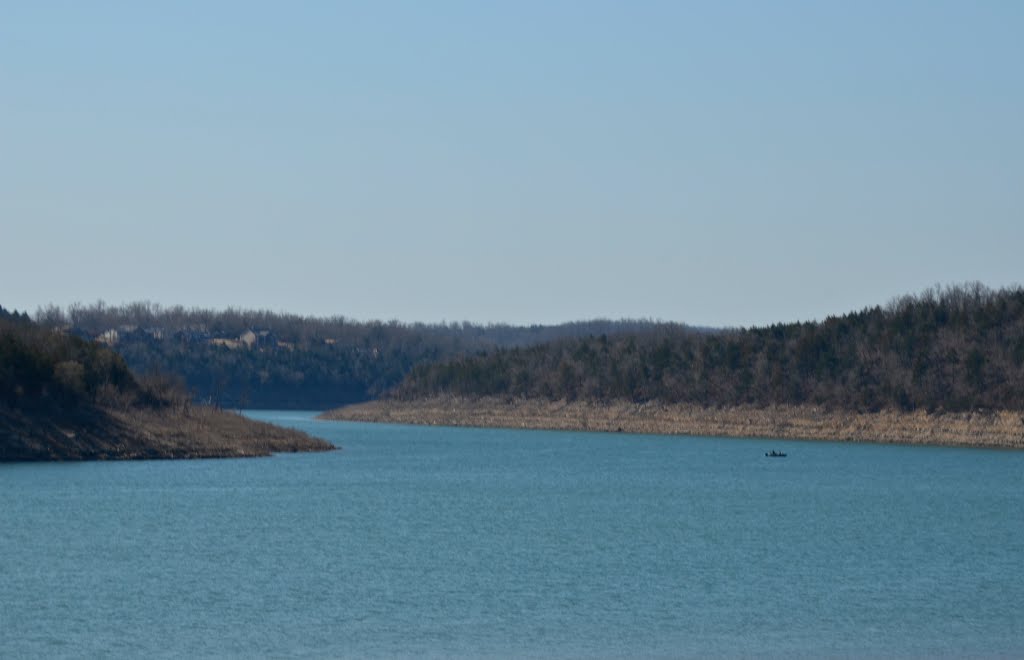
<point>439,542</point>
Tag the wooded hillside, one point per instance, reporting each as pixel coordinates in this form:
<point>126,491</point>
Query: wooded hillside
<point>954,349</point>
<point>66,398</point>
<point>40,368</point>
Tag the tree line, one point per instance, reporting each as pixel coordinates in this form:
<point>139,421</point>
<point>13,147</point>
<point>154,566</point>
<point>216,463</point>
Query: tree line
<point>297,361</point>
<point>951,348</point>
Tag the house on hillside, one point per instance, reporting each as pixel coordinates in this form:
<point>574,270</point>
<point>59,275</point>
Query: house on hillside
<point>247,339</point>
<point>109,337</point>
<point>226,343</point>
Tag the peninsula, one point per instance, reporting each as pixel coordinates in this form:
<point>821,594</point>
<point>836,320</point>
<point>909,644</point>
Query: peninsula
<point>64,398</point>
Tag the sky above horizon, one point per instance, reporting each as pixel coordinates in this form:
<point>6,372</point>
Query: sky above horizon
<point>714,163</point>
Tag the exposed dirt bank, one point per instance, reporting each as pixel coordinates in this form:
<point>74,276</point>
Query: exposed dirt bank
<point>977,429</point>
<point>141,433</point>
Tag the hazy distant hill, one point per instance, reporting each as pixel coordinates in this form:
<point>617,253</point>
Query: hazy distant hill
<point>954,349</point>
<point>260,359</point>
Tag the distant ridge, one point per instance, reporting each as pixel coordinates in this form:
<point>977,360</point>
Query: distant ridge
<point>260,359</point>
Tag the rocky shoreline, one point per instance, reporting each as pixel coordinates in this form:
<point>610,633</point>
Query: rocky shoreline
<point>996,429</point>
<point>143,433</point>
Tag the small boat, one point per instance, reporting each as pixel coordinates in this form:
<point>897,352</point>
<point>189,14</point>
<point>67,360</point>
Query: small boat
<point>775,454</point>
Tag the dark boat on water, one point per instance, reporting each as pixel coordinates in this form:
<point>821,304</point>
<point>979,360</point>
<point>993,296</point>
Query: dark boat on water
<point>775,454</point>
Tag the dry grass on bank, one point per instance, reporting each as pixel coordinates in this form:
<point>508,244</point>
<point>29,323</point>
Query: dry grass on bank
<point>977,429</point>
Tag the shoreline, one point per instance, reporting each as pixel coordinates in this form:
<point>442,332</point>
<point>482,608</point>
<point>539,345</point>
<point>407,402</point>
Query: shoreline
<point>993,429</point>
<point>185,432</point>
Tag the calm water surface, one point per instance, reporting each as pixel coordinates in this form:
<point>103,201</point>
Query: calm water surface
<point>493,543</point>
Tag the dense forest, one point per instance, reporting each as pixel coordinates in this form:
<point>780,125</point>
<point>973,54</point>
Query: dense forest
<point>261,359</point>
<point>948,349</point>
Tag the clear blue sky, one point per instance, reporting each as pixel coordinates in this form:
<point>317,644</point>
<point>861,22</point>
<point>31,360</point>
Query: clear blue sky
<point>718,163</point>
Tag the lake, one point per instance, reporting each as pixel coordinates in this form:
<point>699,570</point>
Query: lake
<point>443,542</point>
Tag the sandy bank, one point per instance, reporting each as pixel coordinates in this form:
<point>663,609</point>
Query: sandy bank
<point>976,429</point>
